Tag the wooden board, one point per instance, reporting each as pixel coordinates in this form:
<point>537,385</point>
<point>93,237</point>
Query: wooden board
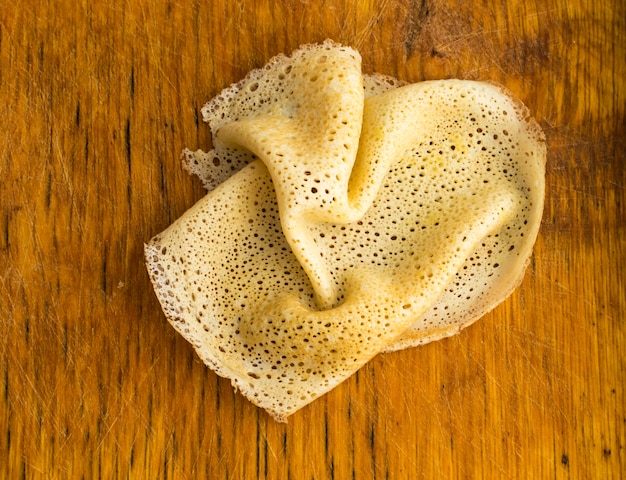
<point>97,100</point>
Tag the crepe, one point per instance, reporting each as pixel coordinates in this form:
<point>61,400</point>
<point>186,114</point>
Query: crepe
<point>346,215</point>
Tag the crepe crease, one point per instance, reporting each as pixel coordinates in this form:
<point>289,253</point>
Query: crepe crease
<point>347,215</point>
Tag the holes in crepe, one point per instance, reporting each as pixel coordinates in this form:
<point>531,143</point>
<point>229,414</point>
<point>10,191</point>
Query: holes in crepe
<point>466,173</point>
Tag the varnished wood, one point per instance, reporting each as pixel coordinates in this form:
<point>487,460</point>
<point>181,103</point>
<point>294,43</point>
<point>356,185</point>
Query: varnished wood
<point>97,100</point>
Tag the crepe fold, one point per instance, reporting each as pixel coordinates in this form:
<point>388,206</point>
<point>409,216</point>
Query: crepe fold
<point>347,215</point>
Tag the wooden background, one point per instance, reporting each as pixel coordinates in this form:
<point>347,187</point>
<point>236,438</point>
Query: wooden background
<point>97,100</point>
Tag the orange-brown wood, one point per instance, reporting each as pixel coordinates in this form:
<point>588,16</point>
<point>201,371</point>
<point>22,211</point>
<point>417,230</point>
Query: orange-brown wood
<point>97,100</point>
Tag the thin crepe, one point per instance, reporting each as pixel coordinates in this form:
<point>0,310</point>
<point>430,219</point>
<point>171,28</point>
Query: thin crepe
<point>347,215</point>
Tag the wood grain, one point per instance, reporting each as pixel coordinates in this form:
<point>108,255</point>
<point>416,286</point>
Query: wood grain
<point>97,100</point>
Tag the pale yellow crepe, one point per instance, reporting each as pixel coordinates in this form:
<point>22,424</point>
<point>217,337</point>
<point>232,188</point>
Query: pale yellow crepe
<point>347,215</point>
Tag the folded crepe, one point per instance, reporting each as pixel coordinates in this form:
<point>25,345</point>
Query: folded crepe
<point>346,215</point>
